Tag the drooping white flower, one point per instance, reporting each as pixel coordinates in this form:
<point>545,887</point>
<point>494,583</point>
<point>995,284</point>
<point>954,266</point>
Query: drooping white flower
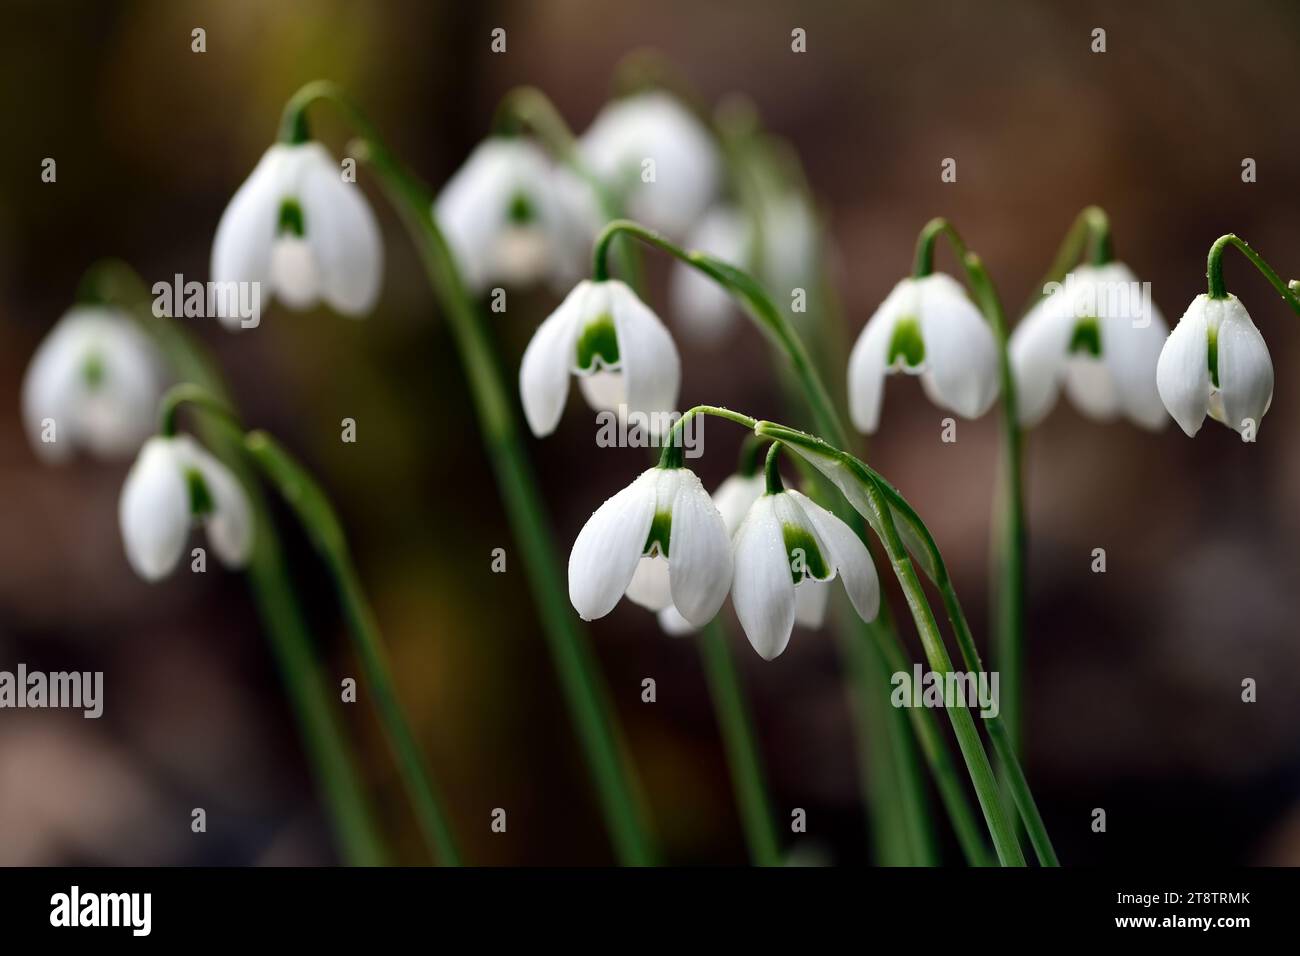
<point>661,542</point>
<point>1100,336</point>
<point>623,356</point>
<point>928,327</point>
<point>303,232</point>
<point>704,308</point>
<point>657,158</point>
<point>174,485</point>
<point>93,383</point>
<point>1216,361</point>
<point>513,218</point>
<point>785,544</point>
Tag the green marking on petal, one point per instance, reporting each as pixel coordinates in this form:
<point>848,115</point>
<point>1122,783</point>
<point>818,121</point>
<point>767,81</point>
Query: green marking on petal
<point>598,341</point>
<point>906,342</point>
<point>1086,337</point>
<point>200,498</point>
<point>660,531</point>
<point>291,220</point>
<point>805,557</point>
<point>92,372</point>
<point>521,211</point>
<point>1212,355</point>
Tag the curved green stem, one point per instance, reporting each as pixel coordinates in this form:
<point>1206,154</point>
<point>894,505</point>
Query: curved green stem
<point>318,518</point>
<point>583,688</point>
<point>1089,233</point>
<point>313,703</point>
<point>1214,270</point>
<point>743,755</point>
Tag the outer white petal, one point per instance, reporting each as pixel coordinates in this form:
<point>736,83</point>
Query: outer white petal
<point>342,232</point>
<point>649,586</point>
<point>52,386</point>
<point>699,552</point>
<point>1089,384</point>
<point>1131,348</point>
<point>810,597</point>
<point>762,589</point>
<point>609,547</point>
<point>154,510</point>
<point>702,307</point>
<point>1245,369</point>
<point>849,556</point>
<point>866,375</point>
<point>1183,372</point>
<point>1037,350</point>
<point>241,251</point>
<point>548,361</point>
<point>652,372</point>
<point>230,524</point>
<point>735,496</point>
<point>120,413</point>
<point>961,354</point>
<point>674,624</point>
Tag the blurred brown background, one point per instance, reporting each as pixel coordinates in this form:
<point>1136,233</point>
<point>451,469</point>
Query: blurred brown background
<point>1134,693</point>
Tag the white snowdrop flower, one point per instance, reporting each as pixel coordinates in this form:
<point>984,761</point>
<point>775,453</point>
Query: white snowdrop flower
<point>1215,361</point>
<point>512,218</point>
<point>174,485</point>
<point>304,233</point>
<point>661,542</point>
<point>623,356</point>
<point>928,327</point>
<point>658,159</point>
<point>704,308</point>
<point>96,380</point>
<point>785,544</point>
<point>1100,336</point>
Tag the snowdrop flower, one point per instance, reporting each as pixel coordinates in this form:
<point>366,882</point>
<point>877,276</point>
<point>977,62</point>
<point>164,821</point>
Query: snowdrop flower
<point>174,485</point>
<point>1100,336</point>
<point>1216,361</point>
<point>304,233</point>
<point>661,542</point>
<point>786,544</point>
<point>623,356</point>
<point>93,383</point>
<point>926,326</point>
<point>657,158</point>
<point>512,217</point>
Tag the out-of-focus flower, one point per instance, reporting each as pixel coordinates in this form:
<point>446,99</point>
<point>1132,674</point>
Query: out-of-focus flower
<point>93,383</point>
<point>661,542</point>
<point>623,356</point>
<point>1100,336</point>
<point>929,327</point>
<point>512,217</point>
<point>304,233</point>
<point>657,158</point>
<point>1215,361</point>
<point>174,485</point>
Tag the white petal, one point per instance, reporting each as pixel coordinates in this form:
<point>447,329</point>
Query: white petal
<point>1089,385</point>
<point>845,551</point>
<point>699,552</point>
<point>866,375</point>
<point>1245,369</point>
<point>1183,372</point>
<point>230,524</point>
<point>1131,348</point>
<point>341,229</point>
<point>121,412</point>
<point>154,510</point>
<point>295,276</point>
<point>651,369</point>
<point>762,588</point>
<point>52,386</point>
<point>1038,349</point>
<point>735,496</point>
<point>674,624</point>
<point>810,597</point>
<point>702,307</point>
<point>241,251</point>
<point>548,361</point>
<point>961,353</point>
<point>649,585</point>
<point>609,547</point>
<point>604,391</point>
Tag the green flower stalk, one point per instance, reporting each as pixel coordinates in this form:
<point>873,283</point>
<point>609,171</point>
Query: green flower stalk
<point>583,690</point>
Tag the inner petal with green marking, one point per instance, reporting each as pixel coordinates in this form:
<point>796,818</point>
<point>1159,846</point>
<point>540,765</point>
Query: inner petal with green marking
<point>805,557</point>
<point>92,370</point>
<point>201,503</point>
<point>291,219</point>
<point>661,528</point>
<point>521,210</point>
<point>1086,337</point>
<point>906,343</point>
<point>1212,354</point>
<point>598,344</point>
